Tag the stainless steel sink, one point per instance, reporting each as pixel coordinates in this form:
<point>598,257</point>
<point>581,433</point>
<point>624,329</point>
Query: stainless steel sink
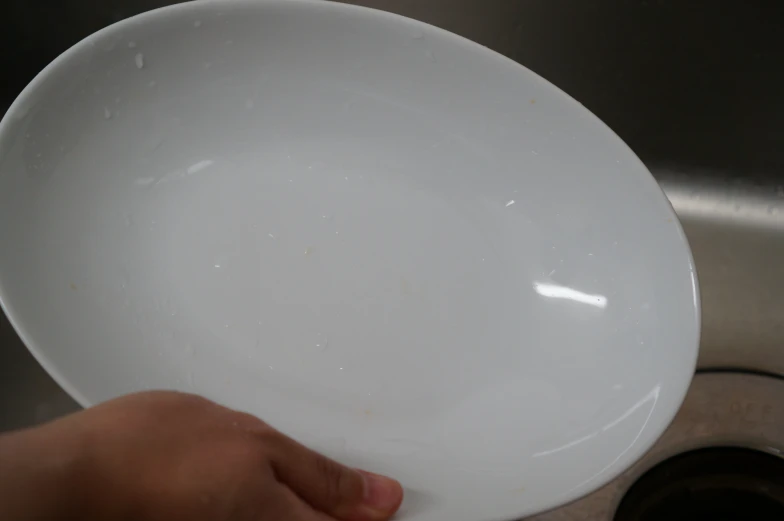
<point>697,90</point>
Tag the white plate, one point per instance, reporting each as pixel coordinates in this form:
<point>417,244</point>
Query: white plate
<point>394,244</point>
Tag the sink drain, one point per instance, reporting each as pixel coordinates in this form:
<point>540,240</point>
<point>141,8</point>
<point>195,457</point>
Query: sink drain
<point>714,484</point>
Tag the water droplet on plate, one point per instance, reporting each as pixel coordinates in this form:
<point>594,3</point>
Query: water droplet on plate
<point>139,59</point>
<point>131,44</point>
<point>197,24</point>
<point>510,203</point>
<point>107,114</point>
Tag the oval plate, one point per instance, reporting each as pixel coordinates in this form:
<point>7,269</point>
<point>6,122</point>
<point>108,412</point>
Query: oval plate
<point>397,246</point>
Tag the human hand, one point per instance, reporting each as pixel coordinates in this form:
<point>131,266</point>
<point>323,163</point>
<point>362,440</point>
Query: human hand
<point>162,456</point>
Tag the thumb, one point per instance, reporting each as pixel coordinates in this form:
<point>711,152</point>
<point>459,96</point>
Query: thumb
<point>336,490</point>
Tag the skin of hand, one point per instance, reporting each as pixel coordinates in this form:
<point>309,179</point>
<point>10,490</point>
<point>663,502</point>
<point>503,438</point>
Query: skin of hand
<point>159,456</point>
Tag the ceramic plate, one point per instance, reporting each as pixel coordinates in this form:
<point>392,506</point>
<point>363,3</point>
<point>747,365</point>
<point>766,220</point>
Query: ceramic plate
<point>397,246</point>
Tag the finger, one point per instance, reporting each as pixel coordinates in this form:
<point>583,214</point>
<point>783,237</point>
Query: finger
<point>344,493</point>
<point>290,507</point>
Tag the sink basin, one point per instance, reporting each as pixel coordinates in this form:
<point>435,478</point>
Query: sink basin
<point>694,90</point>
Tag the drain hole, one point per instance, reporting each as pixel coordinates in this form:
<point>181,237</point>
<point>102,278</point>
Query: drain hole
<point>716,484</point>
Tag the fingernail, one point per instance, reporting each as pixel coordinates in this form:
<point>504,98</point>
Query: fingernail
<point>382,494</point>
